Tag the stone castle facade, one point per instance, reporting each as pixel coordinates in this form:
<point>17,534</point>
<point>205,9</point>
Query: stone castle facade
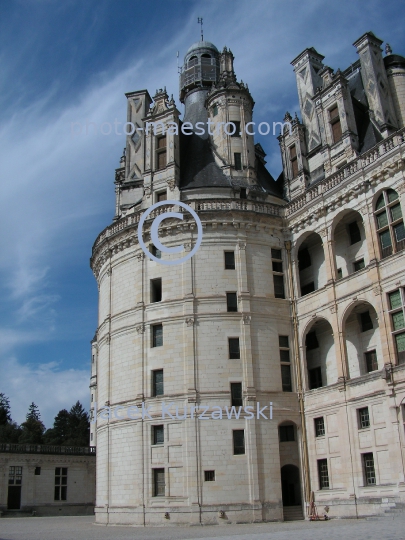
<point>295,297</point>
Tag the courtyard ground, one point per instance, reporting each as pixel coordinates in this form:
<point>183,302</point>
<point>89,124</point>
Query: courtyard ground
<point>82,528</point>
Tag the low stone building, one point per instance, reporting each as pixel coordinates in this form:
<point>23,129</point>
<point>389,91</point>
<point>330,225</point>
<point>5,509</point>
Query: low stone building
<point>47,480</point>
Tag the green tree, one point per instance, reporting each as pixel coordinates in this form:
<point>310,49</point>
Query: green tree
<point>9,430</point>
<point>32,429</point>
<point>61,429</point>
<point>79,426</point>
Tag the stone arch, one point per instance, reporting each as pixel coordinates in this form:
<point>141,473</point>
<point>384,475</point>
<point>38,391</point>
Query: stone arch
<point>361,335</point>
<point>318,342</point>
<point>310,259</point>
<point>349,243</point>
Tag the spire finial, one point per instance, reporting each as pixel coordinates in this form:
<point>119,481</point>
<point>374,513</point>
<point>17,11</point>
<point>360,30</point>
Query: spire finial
<point>388,49</point>
<point>200,21</point>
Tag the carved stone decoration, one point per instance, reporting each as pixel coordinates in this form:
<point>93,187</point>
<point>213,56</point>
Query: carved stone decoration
<point>190,321</point>
<point>246,319</point>
<point>140,329</point>
<point>401,189</point>
<point>187,246</point>
<point>363,210</point>
<point>377,290</point>
<point>323,233</point>
<point>109,271</point>
<point>140,256</point>
<point>171,183</point>
<point>333,309</point>
<point>147,191</point>
<point>242,245</point>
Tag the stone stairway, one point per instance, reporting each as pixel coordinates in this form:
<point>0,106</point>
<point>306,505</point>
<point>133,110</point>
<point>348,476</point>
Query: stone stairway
<point>292,513</point>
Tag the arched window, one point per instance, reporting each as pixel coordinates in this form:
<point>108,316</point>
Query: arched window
<point>389,223</point>
<point>192,61</point>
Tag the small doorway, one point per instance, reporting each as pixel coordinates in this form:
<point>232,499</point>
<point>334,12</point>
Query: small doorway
<point>14,488</point>
<point>290,485</point>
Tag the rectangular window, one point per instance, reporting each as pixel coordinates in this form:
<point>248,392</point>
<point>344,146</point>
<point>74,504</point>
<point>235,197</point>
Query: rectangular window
<point>363,418</point>
<point>368,468</point>
<point>371,361</point>
<point>358,265</point>
<point>161,196</point>
<point>400,344</point>
<point>161,152</point>
<point>308,288</point>
<point>396,212</point>
<point>315,378</point>
<point>354,233</point>
<point>236,394</point>
<point>37,471</point>
<point>285,363</point>
<point>15,476</point>
<point>60,483</point>
<point>294,161</point>
<point>155,251</point>
<point>323,474</point>
<point>339,273</point>
<point>365,321</point>
<point>278,286</point>
<point>398,321</point>
<point>234,350</point>
<point>158,434</point>
<point>231,302</point>
<point>209,476</point>
<point>156,290</point>
<point>386,244</point>
<point>229,260</point>
<point>157,335</point>
<point>238,161</point>
<point>311,341</point>
<point>158,482</point>
<point>382,220</point>
<point>304,259</point>
<point>319,427</point>
<point>157,382</point>
<point>237,129</point>
<point>395,299</point>
<point>238,442</point>
<point>215,110</point>
<point>278,278</point>
<point>286,433</point>
<point>335,124</point>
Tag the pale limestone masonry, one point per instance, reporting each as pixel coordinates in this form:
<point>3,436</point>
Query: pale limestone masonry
<point>317,267</point>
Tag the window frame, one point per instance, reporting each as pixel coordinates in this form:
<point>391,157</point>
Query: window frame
<point>231,308</point>
<point>161,150</point>
<point>368,469</point>
<point>229,265</point>
<point>335,124</point>
<point>232,354</point>
<point>155,287</point>
<point>390,225</point>
<point>156,431</point>
<point>157,482</point>
<point>397,333</point>
<point>238,450</point>
<point>319,426</point>
<point>60,483</point>
<point>363,418</point>
<point>155,341</point>
<point>323,479</point>
<point>293,157</point>
<point>236,394</point>
<point>155,383</point>
<point>278,275</point>
<point>209,476</point>
<point>284,363</point>
<point>237,160</point>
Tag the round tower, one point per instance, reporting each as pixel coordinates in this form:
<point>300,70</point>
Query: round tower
<point>189,378</point>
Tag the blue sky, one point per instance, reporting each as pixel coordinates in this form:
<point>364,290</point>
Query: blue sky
<point>73,61</point>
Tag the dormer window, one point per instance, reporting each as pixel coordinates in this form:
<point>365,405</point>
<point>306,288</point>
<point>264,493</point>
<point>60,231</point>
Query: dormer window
<point>161,160</point>
<point>335,124</point>
<point>294,161</point>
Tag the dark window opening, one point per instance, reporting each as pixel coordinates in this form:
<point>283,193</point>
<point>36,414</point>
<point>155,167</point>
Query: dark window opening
<point>371,361</point>
<point>158,434</point>
<point>358,265</point>
<point>37,471</point>
<point>365,321</point>
<point>229,260</point>
<point>156,290</point>
<point>238,441</point>
<point>237,156</point>
<point>323,474</point>
<point>234,350</point>
<point>311,341</point>
<point>335,124</point>
<point>215,110</point>
<point>286,378</point>
<point>209,476</point>
<point>369,471</point>
<point>315,378</point>
<point>319,427</point>
<point>161,160</point>
<point>364,418</point>
<point>158,482</point>
<point>278,286</point>
<point>307,289</point>
<point>237,129</point>
<point>60,484</point>
<point>339,273</point>
<point>294,161</point>
<point>304,259</point>
<point>155,251</point>
<point>236,394</point>
<point>231,302</point>
<point>286,433</point>
<point>157,335</point>
<point>157,383</point>
<point>161,196</point>
<point>354,233</point>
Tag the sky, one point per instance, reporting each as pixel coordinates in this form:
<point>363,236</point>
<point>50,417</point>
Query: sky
<point>71,62</point>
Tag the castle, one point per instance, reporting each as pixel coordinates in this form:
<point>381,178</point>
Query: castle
<point>295,297</point>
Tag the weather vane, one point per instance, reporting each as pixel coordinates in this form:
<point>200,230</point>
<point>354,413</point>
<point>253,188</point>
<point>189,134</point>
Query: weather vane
<point>200,21</point>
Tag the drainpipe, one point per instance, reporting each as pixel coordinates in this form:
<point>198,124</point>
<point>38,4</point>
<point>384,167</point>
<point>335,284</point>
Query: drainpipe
<point>300,394</point>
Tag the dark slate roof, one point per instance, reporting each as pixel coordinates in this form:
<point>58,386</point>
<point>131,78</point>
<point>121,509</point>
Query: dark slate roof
<point>394,60</point>
<point>197,164</point>
<point>267,182</point>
